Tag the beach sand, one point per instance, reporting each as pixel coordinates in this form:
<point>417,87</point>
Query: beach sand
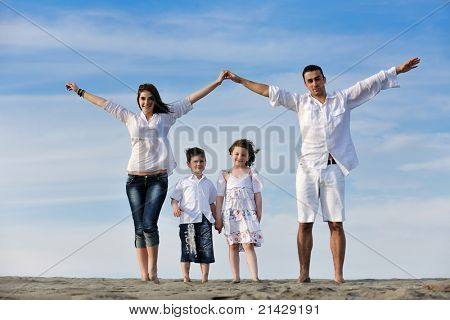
<point>111,289</point>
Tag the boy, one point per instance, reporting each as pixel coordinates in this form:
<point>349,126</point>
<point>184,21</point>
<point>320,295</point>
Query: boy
<point>193,202</point>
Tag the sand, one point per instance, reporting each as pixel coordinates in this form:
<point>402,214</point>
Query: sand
<point>115,289</point>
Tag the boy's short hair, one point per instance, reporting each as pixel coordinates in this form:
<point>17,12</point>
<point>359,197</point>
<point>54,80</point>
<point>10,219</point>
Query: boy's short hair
<point>192,152</point>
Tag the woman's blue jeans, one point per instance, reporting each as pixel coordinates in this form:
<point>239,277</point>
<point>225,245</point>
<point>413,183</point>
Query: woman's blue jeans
<point>146,194</point>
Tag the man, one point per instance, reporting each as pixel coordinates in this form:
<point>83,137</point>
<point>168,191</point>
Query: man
<point>327,152</point>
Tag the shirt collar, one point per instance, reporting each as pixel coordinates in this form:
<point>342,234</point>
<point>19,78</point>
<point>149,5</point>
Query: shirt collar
<point>329,95</point>
<point>332,95</point>
<point>194,177</point>
<point>142,115</point>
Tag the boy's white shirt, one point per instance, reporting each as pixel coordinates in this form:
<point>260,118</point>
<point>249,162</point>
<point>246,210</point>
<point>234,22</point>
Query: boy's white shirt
<point>194,198</point>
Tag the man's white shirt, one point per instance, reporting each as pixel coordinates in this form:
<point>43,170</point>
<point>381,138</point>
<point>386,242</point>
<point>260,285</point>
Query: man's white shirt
<point>325,128</point>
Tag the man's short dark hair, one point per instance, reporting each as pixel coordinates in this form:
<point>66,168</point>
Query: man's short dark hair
<point>311,67</point>
<point>192,152</point>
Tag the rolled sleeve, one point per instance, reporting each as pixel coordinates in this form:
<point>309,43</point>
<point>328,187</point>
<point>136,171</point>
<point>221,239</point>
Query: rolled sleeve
<point>366,89</point>
<point>117,111</point>
<point>180,108</point>
<point>281,97</point>
<point>392,79</point>
<point>177,193</point>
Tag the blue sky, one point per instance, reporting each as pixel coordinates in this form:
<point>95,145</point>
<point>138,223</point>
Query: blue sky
<point>64,160</point>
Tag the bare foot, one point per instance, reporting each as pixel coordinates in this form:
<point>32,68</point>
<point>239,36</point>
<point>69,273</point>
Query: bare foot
<point>145,277</point>
<point>304,279</point>
<point>154,278</point>
<point>256,280</point>
<point>339,280</point>
<point>204,280</point>
<point>236,280</point>
<point>186,279</point>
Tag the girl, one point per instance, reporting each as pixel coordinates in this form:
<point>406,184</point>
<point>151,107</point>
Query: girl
<point>239,203</point>
<point>151,161</point>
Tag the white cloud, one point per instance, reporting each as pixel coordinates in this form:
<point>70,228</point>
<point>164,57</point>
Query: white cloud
<point>437,165</point>
<point>403,230</point>
<point>430,213</point>
<point>371,127</point>
<point>45,202</point>
<point>439,141</point>
<point>187,42</point>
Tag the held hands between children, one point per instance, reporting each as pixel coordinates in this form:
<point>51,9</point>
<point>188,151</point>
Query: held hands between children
<point>218,225</point>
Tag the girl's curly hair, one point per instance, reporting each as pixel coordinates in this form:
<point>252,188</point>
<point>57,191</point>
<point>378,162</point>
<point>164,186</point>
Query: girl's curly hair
<point>246,144</point>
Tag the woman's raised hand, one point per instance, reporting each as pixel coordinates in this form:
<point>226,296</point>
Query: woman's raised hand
<point>72,86</point>
<point>233,77</point>
<point>98,101</point>
<point>222,76</point>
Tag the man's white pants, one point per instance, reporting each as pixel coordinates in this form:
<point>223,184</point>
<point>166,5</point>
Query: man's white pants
<point>324,186</point>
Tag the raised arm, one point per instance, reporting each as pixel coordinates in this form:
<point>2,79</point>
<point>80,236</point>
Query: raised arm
<point>366,89</point>
<point>116,110</point>
<point>194,97</point>
<point>259,88</point>
<point>98,101</point>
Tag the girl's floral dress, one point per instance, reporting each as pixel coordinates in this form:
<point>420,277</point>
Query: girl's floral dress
<point>240,222</point>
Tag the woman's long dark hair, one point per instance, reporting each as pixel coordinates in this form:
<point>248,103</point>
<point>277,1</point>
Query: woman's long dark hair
<point>246,144</point>
<point>160,106</point>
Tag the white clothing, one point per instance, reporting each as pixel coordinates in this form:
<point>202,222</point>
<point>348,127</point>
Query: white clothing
<point>240,221</point>
<point>194,198</point>
<point>244,189</point>
<point>325,128</point>
<point>150,147</point>
<point>326,186</point>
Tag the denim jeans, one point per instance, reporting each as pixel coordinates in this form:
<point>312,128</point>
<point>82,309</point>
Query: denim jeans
<point>146,194</point>
<point>197,242</point>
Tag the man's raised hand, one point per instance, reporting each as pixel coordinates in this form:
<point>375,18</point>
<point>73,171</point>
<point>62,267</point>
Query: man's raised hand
<point>233,77</point>
<point>407,65</point>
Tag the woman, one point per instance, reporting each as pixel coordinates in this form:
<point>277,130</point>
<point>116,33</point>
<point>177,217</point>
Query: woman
<point>151,161</point>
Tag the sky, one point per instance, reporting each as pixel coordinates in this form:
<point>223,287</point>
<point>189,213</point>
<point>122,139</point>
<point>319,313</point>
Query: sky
<point>63,206</point>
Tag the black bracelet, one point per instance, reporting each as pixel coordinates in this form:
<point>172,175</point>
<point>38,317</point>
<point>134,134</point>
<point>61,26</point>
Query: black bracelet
<point>80,92</point>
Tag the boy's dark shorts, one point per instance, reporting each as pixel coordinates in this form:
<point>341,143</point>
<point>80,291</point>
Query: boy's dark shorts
<point>196,242</point>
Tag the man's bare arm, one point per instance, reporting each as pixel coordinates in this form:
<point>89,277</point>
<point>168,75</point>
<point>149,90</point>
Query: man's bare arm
<point>259,88</point>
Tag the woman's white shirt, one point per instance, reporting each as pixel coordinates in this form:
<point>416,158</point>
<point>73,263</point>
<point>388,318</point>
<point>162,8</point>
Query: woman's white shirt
<point>150,147</point>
